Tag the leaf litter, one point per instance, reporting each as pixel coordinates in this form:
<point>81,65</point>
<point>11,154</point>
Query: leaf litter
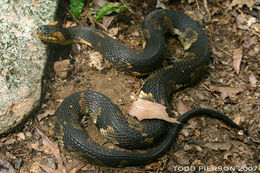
<point>61,166</point>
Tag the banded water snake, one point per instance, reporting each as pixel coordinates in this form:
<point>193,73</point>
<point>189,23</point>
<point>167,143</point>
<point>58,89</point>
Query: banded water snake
<point>121,130</point>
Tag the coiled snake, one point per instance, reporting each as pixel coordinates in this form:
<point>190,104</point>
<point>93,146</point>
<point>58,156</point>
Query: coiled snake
<point>122,130</point>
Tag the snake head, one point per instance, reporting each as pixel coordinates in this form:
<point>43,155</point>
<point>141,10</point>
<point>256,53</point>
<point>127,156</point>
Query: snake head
<point>53,33</point>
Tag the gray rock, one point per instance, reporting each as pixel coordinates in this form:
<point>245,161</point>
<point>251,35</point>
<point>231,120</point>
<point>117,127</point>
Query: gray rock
<point>23,58</point>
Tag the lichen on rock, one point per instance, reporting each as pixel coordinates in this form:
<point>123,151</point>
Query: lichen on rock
<point>23,58</point>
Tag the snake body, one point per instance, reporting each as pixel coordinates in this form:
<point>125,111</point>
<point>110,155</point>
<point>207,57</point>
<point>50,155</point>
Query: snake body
<point>121,130</point>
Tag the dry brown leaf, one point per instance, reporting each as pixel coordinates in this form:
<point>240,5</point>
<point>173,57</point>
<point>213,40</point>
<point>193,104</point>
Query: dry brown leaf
<point>35,168</point>
<point>10,141</point>
<point>45,114</point>
<point>237,57</point>
<point>107,20</point>
<point>200,96</point>
<point>226,91</point>
<point>144,109</point>
<point>5,166</point>
<point>219,145</point>
<point>42,148</point>
<point>160,4</point>
<point>227,154</point>
<point>225,20</point>
<point>181,108</point>
<point>181,157</point>
<point>255,51</point>
<point>256,27</point>
<point>50,170</point>
<point>35,146</point>
<point>219,54</point>
<point>251,20</point>
<point>241,3</point>
<point>181,137</point>
<point>252,80</point>
<point>244,22</point>
<point>197,133</point>
<point>238,118</point>
<point>100,3</point>
<point>72,167</point>
<point>153,165</point>
<point>20,136</point>
<point>241,22</point>
<point>252,40</point>
<point>113,31</point>
<point>75,166</point>
<point>55,151</point>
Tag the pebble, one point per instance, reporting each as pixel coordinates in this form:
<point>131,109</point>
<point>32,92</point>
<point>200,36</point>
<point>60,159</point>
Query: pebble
<point>62,68</point>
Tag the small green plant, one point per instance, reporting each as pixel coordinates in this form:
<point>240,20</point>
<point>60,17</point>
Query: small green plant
<point>231,110</point>
<point>106,9</point>
<point>76,7</point>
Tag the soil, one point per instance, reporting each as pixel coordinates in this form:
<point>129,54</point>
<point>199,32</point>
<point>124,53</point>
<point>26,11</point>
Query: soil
<point>204,144</point>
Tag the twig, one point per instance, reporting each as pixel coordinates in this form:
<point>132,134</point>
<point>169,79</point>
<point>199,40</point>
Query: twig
<point>197,3</point>
<point>207,9</point>
<point>129,7</point>
<point>235,76</point>
<point>77,21</point>
<point>210,91</point>
<point>241,12</point>
<point>221,49</point>
<point>90,17</point>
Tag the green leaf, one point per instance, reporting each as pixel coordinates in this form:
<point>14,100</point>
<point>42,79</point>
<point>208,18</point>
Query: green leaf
<point>106,9</point>
<point>76,7</point>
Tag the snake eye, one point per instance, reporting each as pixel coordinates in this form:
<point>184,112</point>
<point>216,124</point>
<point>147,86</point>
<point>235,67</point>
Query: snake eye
<point>41,31</point>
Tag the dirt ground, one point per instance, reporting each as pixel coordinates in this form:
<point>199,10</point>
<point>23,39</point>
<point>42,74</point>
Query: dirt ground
<point>204,144</point>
